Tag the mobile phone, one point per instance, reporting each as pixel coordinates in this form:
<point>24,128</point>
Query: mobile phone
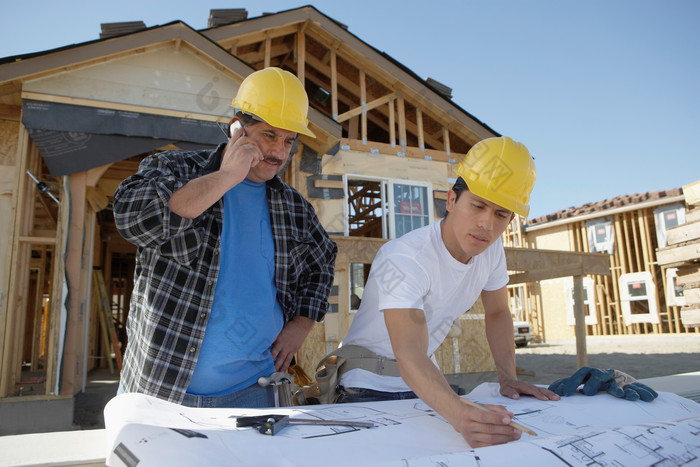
<point>234,127</point>
<point>230,130</point>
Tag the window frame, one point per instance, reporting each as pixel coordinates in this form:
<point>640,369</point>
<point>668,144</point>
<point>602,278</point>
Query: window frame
<point>652,316</point>
<point>387,205</point>
<point>660,221</point>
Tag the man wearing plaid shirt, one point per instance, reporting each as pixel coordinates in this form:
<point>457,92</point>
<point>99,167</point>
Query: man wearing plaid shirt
<point>233,266</point>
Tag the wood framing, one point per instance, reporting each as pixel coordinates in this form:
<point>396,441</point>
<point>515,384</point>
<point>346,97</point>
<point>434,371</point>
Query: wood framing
<point>384,157</point>
<point>633,229</point>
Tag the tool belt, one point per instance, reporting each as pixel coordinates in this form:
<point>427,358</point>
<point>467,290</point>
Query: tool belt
<point>334,365</point>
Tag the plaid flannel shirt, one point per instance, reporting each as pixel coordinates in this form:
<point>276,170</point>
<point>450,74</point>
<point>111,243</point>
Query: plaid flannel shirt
<point>177,265</point>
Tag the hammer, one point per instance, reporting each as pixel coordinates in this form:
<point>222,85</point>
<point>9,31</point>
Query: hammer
<point>277,380</point>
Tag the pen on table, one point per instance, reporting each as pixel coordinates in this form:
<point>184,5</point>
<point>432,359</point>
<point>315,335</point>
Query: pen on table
<point>512,423</point>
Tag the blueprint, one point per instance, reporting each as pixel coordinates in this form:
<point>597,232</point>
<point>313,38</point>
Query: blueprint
<point>578,430</point>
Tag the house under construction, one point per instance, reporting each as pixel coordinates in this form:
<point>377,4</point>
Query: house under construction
<point>76,121</point>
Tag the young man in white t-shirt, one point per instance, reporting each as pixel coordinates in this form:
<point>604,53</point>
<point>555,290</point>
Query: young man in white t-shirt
<point>420,283</point>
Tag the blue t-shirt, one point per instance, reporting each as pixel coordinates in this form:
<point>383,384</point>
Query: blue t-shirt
<point>245,317</point>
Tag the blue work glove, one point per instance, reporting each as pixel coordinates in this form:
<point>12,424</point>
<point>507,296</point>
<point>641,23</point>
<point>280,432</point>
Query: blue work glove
<point>594,380</point>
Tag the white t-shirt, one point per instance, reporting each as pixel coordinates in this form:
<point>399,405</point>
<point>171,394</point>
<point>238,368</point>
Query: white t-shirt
<point>417,271</point>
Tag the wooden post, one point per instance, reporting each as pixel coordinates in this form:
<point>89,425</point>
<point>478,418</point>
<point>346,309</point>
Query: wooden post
<point>334,84</point>
<point>301,54</point>
<point>58,282</point>
<point>363,103</point>
<point>22,207</point>
<point>446,139</point>
<point>78,273</point>
<point>579,316</point>
<point>402,122</point>
<point>419,124</point>
<point>268,50</point>
<point>392,123</point>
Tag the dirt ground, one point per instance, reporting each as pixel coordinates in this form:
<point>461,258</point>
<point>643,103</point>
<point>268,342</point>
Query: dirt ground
<point>540,363</point>
<point>641,357</point>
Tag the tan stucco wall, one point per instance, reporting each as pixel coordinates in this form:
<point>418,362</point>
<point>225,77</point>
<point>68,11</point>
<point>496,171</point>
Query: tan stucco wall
<point>554,310</point>
<point>556,238</point>
<point>552,291</point>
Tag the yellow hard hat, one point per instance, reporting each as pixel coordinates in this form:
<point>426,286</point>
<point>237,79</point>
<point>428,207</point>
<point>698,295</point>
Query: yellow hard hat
<point>277,97</point>
<point>502,171</point>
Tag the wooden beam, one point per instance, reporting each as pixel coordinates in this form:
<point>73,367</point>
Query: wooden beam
<point>301,53</point>
<point>255,57</point>
<point>580,323</point>
<point>94,175</point>
<point>683,233</point>
<point>354,88</point>
<point>58,281</point>
<point>37,240</point>
<point>334,85</point>
<point>353,144</point>
<point>419,124</point>
<point>469,129</point>
<point>22,204</point>
<point>392,123</point>
<point>549,264</point>
<point>691,192</point>
<point>253,37</point>
<point>678,254</point>
<point>402,122</point>
<point>363,103</point>
<point>268,50</point>
<point>446,139</point>
<point>368,106</point>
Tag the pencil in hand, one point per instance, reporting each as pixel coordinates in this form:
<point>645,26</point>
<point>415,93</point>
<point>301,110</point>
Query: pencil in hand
<point>512,423</point>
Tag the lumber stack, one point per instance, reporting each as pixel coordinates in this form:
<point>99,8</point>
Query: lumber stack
<point>683,253</point>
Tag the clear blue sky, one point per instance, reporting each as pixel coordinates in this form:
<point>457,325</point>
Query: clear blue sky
<point>604,93</point>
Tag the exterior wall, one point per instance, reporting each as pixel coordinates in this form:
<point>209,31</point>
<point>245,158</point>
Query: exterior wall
<point>387,166</point>
<point>557,238</point>
<point>8,151</point>
<point>553,310</point>
<point>162,79</point>
<point>635,244</point>
<point>552,316</point>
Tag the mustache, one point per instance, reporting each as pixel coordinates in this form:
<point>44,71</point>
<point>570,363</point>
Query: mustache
<point>273,160</point>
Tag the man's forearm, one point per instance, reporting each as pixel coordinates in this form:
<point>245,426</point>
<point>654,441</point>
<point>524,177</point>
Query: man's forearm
<point>426,380</point>
<point>499,333</point>
<point>199,194</point>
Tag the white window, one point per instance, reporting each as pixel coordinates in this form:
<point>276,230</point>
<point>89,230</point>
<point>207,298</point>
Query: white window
<point>411,207</point>
<point>386,208</point>
<point>674,290</point>
<point>667,217</point>
<point>600,235</point>
<point>589,307</point>
<point>638,296</point>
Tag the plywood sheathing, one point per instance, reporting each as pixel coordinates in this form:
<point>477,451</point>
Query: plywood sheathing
<point>683,252</point>
<point>380,164</point>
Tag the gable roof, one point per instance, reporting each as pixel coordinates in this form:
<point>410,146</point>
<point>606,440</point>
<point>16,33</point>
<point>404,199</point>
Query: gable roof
<point>387,74</point>
<point>430,114</point>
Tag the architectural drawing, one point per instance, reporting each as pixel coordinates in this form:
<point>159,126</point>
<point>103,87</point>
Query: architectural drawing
<point>577,430</point>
